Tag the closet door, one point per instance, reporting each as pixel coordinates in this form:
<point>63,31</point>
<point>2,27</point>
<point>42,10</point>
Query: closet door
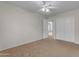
<point>65,28</point>
<point>69,28</point>
<point>77,28</point>
<point>60,28</point>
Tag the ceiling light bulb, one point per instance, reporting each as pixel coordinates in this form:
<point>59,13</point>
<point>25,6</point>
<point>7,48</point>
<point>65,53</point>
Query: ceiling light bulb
<point>43,9</point>
<point>47,10</point>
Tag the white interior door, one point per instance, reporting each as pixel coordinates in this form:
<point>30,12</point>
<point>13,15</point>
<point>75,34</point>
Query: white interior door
<point>65,28</point>
<point>69,29</point>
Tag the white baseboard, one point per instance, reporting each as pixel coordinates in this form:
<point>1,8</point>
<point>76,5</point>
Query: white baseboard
<point>75,42</point>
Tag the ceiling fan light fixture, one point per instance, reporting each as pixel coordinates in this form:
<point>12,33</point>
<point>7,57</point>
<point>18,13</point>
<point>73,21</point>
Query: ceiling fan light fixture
<point>45,9</point>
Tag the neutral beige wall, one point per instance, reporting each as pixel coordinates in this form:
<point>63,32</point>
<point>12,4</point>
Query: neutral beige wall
<point>18,26</point>
<point>45,28</point>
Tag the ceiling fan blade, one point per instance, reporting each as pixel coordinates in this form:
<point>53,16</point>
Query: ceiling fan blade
<point>51,7</point>
<point>44,2</point>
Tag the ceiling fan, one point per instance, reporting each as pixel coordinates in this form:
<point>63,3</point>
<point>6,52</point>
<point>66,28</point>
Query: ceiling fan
<point>46,6</point>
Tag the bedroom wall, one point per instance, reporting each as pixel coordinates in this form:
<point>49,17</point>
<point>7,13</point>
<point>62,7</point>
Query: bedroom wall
<point>18,26</point>
<point>67,26</point>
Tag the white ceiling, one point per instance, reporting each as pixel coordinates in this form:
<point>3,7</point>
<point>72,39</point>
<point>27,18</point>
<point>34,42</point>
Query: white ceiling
<point>35,6</point>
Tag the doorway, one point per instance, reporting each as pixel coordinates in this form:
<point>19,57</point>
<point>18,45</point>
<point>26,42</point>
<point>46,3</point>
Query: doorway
<point>48,29</point>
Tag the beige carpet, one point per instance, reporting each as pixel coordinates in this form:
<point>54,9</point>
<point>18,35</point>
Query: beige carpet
<point>44,48</point>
